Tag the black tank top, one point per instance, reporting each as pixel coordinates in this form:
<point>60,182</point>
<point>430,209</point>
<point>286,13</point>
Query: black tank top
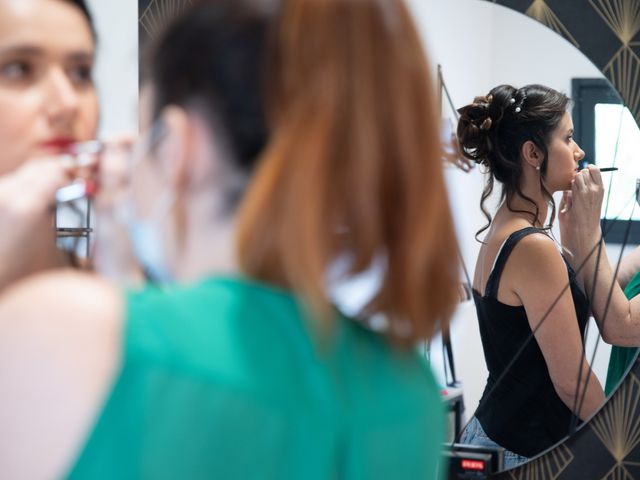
<point>523,413</point>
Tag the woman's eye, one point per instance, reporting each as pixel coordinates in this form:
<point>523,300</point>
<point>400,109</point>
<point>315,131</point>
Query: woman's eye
<point>15,70</point>
<point>82,75</point>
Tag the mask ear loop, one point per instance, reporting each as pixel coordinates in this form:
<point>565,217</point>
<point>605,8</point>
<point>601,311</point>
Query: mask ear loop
<point>126,213</point>
<point>142,148</point>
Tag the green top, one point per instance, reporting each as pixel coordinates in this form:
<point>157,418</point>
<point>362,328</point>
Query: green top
<point>221,379</point>
<point>622,357</point>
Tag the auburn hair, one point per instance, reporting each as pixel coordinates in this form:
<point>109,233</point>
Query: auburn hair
<point>353,168</point>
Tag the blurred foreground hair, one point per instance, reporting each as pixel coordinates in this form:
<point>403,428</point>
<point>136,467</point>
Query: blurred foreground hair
<point>353,168</point>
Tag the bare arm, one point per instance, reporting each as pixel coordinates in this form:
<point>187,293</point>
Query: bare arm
<point>59,351</point>
<point>540,275</point>
<point>618,318</point>
<point>629,266</point>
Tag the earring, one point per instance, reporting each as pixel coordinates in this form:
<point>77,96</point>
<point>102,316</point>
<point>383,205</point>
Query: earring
<point>538,167</point>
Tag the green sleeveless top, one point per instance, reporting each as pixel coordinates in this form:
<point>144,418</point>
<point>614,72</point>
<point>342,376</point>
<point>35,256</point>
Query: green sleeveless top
<point>622,357</point>
<point>222,380</point>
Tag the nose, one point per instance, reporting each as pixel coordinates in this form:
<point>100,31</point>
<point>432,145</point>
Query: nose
<point>579,154</point>
<point>61,98</point>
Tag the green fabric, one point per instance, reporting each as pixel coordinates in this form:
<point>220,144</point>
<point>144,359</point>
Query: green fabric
<point>222,380</point>
<point>622,357</point>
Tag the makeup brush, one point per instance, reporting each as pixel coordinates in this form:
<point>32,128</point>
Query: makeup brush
<point>582,164</point>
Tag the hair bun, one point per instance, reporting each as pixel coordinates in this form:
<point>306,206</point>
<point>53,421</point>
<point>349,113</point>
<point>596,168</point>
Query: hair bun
<point>486,124</point>
<point>473,129</point>
<point>483,101</point>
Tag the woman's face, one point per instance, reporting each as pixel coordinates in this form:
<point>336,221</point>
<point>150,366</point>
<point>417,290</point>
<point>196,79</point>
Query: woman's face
<point>47,96</point>
<point>564,155</point>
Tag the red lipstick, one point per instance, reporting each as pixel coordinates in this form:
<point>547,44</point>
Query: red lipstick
<point>59,144</point>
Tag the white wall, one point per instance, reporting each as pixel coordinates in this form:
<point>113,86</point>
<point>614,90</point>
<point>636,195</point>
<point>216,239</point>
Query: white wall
<point>116,70</point>
<point>480,45</point>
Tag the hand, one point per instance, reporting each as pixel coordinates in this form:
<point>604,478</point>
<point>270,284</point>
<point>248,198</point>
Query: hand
<point>112,253</point>
<point>27,241</point>
<point>564,216</point>
<point>580,209</point>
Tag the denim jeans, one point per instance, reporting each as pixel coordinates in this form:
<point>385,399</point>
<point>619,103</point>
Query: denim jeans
<point>473,434</point>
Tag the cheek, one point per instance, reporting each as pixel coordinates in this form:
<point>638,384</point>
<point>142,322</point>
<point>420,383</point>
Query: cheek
<point>146,185</point>
<point>560,156</point>
<point>18,126</point>
<point>88,116</point>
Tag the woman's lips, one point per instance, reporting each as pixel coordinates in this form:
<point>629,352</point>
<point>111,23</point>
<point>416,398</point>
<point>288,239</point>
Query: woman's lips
<point>57,145</point>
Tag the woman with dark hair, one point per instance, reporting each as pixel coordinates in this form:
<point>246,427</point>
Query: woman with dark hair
<point>535,386</point>
<point>243,368</point>
<point>47,102</point>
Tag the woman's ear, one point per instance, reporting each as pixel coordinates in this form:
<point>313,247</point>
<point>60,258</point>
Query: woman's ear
<point>175,150</point>
<point>531,154</point>
<point>174,153</point>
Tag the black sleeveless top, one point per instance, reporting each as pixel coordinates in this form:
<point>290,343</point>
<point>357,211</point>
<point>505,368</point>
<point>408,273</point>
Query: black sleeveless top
<point>523,413</point>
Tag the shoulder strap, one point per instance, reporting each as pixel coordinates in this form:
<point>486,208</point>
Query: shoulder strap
<point>493,282</point>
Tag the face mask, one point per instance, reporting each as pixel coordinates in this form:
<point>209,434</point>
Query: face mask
<point>145,234</point>
<point>147,243</point>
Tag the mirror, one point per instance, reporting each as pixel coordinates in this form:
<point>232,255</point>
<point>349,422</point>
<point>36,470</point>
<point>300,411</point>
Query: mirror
<point>481,44</point>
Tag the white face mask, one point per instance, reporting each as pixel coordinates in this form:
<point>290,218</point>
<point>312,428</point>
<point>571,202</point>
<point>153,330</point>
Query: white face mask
<point>145,234</point>
<point>147,242</point>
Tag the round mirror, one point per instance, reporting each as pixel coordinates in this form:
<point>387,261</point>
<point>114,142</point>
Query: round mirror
<point>566,46</point>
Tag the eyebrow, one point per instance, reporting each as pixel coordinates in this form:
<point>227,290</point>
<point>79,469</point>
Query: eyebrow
<point>31,51</point>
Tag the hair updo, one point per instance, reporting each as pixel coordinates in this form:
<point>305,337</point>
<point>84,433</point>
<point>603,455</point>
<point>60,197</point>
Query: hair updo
<point>492,130</point>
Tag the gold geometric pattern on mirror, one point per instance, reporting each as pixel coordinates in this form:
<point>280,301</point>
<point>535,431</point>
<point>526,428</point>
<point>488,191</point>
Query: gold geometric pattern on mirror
<point>622,16</point>
<point>549,467</point>
<point>543,13</point>
<point>618,427</point>
<point>159,13</point>
<point>618,473</point>
<point>623,70</point>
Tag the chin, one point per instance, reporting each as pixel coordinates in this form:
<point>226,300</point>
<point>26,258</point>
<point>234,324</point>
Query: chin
<point>560,188</point>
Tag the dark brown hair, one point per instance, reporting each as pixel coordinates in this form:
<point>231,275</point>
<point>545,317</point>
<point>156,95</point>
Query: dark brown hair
<point>492,130</point>
<point>212,56</point>
<point>354,149</point>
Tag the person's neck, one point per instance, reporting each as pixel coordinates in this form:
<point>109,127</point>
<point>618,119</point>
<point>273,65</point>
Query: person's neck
<point>208,246</point>
<point>522,203</point>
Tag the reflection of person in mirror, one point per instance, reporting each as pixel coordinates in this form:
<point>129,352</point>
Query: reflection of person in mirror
<point>241,367</point>
<point>524,138</point>
<point>47,102</point>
